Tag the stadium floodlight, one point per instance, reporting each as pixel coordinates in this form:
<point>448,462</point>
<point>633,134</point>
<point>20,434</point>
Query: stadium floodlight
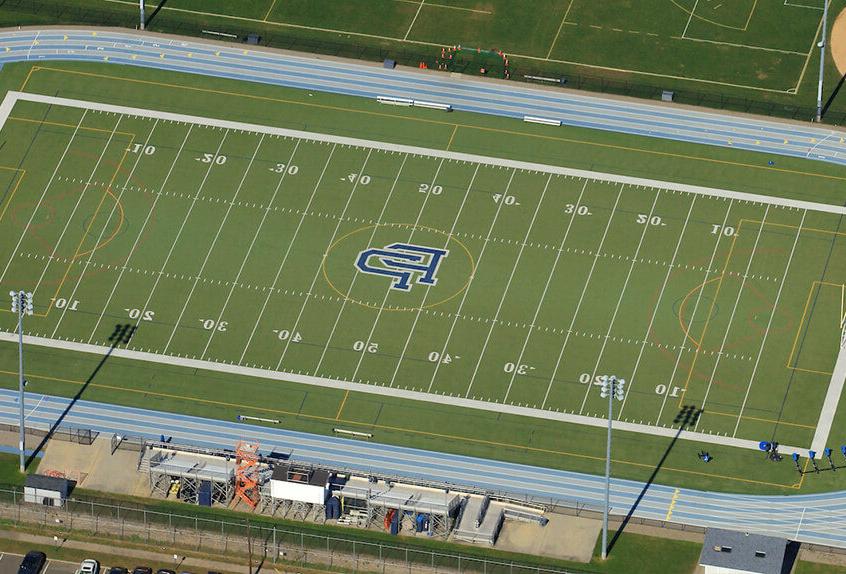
<point>21,305</point>
<point>609,388</point>
<point>821,45</point>
<point>141,8</point>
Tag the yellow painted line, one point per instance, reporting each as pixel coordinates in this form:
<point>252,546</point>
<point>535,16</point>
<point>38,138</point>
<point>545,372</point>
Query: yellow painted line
<point>673,501</point>
<point>404,430</point>
<point>341,408</point>
<point>452,137</point>
<point>444,123</point>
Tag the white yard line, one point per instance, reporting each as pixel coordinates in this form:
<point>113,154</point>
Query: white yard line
<point>687,335</point>
<point>356,274</point>
<point>582,297</point>
<point>560,27</point>
<point>46,187</point>
<point>160,272</point>
<point>769,323</point>
<point>267,209</point>
<point>426,294</point>
<point>533,323</point>
<point>413,20</point>
<point>287,253</point>
<point>692,12</point>
<point>795,89</point>
<point>459,402</point>
<point>731,317</point>
<point>470,283</point>
<point>646,226</point>
<point>140,154</point>
<point>310,291</point>
<point>140,234</point>
<point>388,292</point>
<point>414,150</point>
<point>507,287</point>
<point>670,269</point>
<point>214,241</point>
<point>76,206</point>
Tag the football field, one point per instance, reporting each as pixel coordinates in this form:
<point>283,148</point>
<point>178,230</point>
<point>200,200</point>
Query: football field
<point>410,269</point>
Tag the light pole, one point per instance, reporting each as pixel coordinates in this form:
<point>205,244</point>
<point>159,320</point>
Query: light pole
<point>22,305</point>
<point>821,45</point>
<point>141,7</point>
<point>611,388</point>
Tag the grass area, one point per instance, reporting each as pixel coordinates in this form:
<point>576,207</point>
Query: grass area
<point>739,55</point>
<point>394,420</point>
<point>9,473</point>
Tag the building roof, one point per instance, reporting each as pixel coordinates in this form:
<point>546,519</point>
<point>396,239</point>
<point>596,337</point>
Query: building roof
<point>743,551</point>
<point>43,482</point>
<point>300,474</point>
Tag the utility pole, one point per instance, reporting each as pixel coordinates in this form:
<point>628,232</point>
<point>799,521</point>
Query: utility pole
<point>22,305</point>
<point>141,6</point>
<point>821,45</point>
<point>613,389</point>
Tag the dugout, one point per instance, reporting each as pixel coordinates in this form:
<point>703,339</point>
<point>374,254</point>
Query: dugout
<point>46,490</point>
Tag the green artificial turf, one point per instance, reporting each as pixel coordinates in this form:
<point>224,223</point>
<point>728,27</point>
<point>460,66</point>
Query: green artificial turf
<point>303,319</point>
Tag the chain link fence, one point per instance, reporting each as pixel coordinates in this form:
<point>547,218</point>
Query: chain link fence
<point>243,537</point>
<point>79,12</point>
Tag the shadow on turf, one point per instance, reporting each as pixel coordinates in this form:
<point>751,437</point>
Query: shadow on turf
<point>833,95</point>
<point>120,336</point>
<point>154,13</point>
<point>687,417</point>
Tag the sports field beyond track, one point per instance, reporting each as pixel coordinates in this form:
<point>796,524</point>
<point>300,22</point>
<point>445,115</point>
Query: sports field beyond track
<point>759,45</point>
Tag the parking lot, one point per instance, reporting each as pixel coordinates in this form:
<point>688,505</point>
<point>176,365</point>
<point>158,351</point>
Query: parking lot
<point>9,565</point>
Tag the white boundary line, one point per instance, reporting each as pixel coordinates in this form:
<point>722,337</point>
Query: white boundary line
<point>413,20</point>
<point>692,12</point>
<point>470,283</point>
<point>770,322</point>
<point>686,336</point>
<point>216,235</point>
<point>385,391</point>
<point>558,253</point>
<point>140,233</point>
<point>140,154</point>
<point>426,294</point>
<point>670,269</point>
<point>252,244</point>
<point>13,97</point>
<point>733,313</point>
<point>76,206</point>
<point>310,291</point>
<point>486,160</point>
<point>355,277</point>
<point>646,225</point>
<point>596,257</point>
<point>287,252</point>
<point>5,110</point>
<point>508,286</point>
<point>160,272</point>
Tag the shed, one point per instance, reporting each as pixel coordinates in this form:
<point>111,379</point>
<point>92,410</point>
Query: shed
<point>732,552</point>
<point>46,490</point>
<point>299,483</point>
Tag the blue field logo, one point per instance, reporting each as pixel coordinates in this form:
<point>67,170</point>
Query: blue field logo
<point>403,263</point>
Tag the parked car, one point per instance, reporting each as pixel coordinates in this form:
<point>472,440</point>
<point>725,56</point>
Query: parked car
<point>89,566</point>
<point>164,571</point>
<point>117,570</point>
<point>142,570</point>
<point>32,563</point>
